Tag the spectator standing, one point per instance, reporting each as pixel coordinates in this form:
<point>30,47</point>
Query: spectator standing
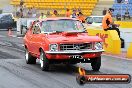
<point>81,17</point>
<point>68,13</point>
<point>24,11</point>
<point>42,16</point>
<point>104,11</point>
<point>21,2</point>
<point>74,14</point>
<point>34,11</point>
<point>30,12</point>
<point>18,11</point>
<point>79,10</point>
<point>48,14</point>
<point>21,11</point>
<point>55,13</point>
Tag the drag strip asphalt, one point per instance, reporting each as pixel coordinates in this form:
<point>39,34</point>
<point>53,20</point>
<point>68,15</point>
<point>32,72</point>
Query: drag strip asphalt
<point>15,73</point>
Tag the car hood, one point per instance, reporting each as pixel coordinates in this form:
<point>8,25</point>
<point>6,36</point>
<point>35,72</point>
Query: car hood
<point>72,38</point>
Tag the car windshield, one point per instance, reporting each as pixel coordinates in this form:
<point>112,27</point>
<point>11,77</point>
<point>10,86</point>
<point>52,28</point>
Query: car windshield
<point>62,26</point>
<point>98,19</point>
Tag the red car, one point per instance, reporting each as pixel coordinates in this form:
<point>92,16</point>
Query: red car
<point>61,40</point>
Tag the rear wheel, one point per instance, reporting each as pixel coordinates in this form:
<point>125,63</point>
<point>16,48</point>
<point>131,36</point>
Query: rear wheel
<point>44,62</point>
<point>96,63</point>
<point>29,58</point>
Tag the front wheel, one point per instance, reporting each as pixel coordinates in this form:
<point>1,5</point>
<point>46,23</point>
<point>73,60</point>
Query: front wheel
<point>96,63</point>
<point>29,58</point>
<point>44,62</point>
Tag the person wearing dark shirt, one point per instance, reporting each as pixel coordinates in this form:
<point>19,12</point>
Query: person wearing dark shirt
<point>126,14</point>
<point>118,17</point>
<point>21,2</point>
<point>81,17</point>
<point>74,15</point>
<point>104,11</point>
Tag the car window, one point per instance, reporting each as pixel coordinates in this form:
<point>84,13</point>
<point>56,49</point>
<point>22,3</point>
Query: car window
<point>6,18</point>
<point>98,19</point>
<point>62,25</point>
<point>89,20</point>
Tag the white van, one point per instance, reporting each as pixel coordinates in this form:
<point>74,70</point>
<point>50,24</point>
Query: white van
<point>94,21</point>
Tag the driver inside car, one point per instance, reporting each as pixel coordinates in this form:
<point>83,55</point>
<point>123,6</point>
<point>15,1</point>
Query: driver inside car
<point>37,29</point>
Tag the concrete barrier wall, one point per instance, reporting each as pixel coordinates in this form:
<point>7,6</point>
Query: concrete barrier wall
<point>129,51</point>
<point>126,34</point>
<point>112,43</point>
<point>124,24</point>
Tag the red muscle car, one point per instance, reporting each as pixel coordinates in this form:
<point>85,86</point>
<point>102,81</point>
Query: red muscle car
<point>61,40</point>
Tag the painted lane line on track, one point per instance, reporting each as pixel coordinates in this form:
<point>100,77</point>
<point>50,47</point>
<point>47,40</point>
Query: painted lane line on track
<point>10,36</point>
<point>117,57</point>
<point>2,36</point>
<point>13,36</point>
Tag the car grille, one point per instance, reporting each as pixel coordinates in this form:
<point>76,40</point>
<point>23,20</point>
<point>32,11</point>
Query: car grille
<point>81,46</point>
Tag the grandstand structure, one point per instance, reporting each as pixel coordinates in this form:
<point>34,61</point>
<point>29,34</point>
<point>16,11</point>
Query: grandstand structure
<point>86,6</point>
<point>97,11</point>
<point>121,7</point>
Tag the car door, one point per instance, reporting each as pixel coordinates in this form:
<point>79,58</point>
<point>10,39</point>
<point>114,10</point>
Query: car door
<point>30,38</point>
<point>35,39</point>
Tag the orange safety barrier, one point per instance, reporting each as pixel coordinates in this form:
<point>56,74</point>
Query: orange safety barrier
<point>9,32</point>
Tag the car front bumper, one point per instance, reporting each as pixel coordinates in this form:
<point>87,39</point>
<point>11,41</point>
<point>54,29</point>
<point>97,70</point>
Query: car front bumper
<point>74,52</point>
<point>69,54</point>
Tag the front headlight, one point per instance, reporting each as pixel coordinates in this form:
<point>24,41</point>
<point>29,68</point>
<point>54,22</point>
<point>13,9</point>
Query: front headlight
<point>53,47</point>
<point>98,46</point>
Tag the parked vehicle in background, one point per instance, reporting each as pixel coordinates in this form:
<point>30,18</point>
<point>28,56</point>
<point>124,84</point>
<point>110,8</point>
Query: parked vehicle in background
<point>61,40</point>
<point>7,21</point>
<point>94,21</point>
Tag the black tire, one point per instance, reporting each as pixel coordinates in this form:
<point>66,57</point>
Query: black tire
<point>81,80</point>
<point>96,63</point>
<point>44,61</point>
<point>29,58</point>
